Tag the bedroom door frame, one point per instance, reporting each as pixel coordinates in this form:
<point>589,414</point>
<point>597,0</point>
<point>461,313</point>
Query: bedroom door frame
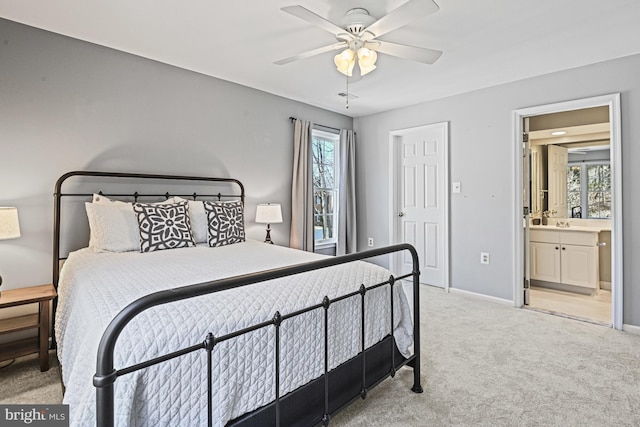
<point>395,168</point>
<point>613,102</point>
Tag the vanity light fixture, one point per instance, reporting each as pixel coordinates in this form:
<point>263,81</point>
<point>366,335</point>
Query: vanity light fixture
<point>559,133</point>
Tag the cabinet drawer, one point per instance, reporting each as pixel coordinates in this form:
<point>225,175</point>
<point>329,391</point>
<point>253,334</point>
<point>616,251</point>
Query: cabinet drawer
<point>545,236</point>
<point>579,238</point>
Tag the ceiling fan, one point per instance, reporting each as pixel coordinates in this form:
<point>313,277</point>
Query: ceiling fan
<point>358,36</point>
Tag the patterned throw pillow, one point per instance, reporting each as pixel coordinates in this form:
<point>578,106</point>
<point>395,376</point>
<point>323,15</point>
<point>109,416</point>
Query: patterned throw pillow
<point>163,226</point>
<point>225,222</point>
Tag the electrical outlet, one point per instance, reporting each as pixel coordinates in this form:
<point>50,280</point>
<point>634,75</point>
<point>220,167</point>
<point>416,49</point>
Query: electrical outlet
<point>484,257</point>
<point>370,242</point>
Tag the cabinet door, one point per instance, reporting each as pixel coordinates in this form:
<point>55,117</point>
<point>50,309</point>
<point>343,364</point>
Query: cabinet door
<point>579,265</point>
<point>545,261</point>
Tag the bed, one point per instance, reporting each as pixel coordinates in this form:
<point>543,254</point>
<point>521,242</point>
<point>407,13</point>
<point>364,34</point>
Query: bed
<point>238,334</point>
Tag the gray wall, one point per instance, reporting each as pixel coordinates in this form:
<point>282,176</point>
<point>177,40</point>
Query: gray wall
<point>481,157</point>
<point>68,105</point>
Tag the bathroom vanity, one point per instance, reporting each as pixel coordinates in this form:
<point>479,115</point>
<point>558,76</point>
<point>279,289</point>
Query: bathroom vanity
<point>567,256</point>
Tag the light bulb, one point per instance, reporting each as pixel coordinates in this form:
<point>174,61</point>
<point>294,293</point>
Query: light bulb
<point>345,61</point>
<point>367,60</point>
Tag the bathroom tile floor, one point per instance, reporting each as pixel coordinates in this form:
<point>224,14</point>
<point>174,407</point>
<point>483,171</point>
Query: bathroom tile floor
<point>596,308</point>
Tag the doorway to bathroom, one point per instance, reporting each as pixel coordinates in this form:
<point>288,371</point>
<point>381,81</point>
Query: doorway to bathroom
<point>568,237</point>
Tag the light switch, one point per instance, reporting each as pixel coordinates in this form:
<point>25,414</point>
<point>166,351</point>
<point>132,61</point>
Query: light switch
<point>456,187</point>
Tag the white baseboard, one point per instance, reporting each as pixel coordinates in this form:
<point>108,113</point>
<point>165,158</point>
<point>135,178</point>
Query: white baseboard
<point>632,329</point>
<point>482,296</point>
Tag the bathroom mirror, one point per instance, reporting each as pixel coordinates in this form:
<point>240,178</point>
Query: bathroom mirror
<point>570,164</point>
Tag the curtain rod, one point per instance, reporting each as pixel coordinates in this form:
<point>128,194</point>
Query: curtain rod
<point>315,124</point>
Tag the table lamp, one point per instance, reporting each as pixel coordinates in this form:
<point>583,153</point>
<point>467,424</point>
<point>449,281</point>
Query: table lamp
<point>268,214</point>
<point>9,226</point>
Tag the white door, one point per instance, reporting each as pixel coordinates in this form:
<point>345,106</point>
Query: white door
<point>558,158</point>
<point>526,212</point>
<point>422,199</point>
<point>536,181</point>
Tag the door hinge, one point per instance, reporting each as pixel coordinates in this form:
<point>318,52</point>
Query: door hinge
<point>525,210</point>
<point>525,137</point>
<point>526,292</point>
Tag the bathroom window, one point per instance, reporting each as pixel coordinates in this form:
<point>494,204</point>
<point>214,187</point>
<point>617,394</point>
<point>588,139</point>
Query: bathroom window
<point>574,191</point>
<point>589,190</point>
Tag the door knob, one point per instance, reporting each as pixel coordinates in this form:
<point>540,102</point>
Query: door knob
<point>401,214</point>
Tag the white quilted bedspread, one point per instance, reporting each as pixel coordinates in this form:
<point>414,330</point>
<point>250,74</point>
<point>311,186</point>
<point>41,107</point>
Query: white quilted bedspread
<point>94,287</point>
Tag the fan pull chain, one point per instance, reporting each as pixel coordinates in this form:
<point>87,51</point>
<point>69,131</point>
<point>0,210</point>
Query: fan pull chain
<point>347,102</point>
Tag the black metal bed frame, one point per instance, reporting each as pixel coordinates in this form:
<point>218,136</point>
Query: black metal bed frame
<point>310,404</point>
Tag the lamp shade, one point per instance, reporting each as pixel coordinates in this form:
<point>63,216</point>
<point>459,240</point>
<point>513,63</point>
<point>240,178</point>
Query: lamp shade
<point>9,224</point>
<point>268,213</point>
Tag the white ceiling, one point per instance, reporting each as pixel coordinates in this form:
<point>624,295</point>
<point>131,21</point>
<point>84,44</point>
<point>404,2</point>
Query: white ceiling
<point>485,43</point>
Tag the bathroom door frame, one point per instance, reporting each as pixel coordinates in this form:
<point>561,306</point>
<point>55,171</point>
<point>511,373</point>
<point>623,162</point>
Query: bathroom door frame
<point>613,102</point>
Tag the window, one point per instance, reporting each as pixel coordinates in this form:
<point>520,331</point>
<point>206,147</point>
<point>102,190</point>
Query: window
<point>325,186</point>
<point>589,190</point>
<point>574,191</point>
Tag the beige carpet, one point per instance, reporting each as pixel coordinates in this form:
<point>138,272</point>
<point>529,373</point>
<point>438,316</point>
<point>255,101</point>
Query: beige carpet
<point>484,364</point>
<point>22,381</point>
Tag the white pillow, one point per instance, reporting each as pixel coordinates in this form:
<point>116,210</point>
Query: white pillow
<point>198,217</point>
<point>106,201</point>
<point>113,228</point>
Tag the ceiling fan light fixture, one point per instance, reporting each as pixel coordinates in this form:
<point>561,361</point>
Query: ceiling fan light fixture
<point>367,60</point>
<point>358,34</point>
<point>345,61</point>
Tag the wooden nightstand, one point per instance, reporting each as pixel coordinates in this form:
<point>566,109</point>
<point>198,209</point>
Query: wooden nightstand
<point>40,344</point>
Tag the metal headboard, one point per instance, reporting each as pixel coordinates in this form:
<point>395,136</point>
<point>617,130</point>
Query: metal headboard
<point>139,178</point>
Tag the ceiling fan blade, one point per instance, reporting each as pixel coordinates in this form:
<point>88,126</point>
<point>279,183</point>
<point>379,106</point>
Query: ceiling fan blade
<point>310,53</point>
<point>312,18</point>
<point>400,17</point>
<point>419,54</point>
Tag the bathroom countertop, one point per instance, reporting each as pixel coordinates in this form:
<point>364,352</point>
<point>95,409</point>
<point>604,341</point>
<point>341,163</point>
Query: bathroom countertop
<point>572,228</point>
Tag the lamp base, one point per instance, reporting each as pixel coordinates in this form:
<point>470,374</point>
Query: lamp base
<point>268,238</point>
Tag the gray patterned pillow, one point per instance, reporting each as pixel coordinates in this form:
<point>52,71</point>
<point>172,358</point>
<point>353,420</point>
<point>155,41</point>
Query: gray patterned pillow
<point>225,222</point>
<point>163,226</point>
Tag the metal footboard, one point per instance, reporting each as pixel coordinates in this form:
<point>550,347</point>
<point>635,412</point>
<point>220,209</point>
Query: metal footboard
<point>106,375</point>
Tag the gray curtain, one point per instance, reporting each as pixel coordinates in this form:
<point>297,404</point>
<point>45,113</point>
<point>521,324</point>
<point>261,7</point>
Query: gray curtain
<point>302,188</point>
<point>347,236</point>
